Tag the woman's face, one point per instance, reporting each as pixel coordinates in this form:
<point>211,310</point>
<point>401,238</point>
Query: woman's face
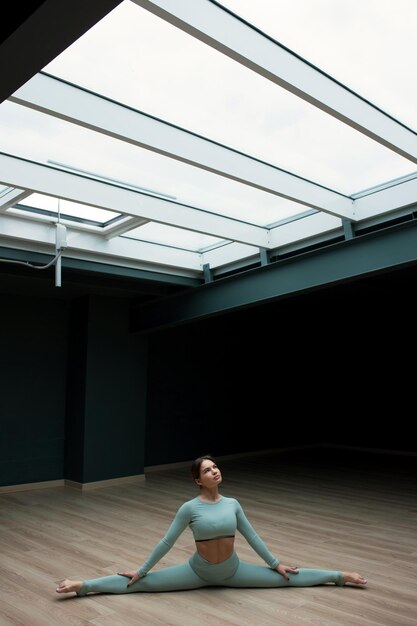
<point>210,475</point>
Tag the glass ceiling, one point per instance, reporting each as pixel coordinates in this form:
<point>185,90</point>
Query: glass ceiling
<point>283,170</point>
<point>368,45</point>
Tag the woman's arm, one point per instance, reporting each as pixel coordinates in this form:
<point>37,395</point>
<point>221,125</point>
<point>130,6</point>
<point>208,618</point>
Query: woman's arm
<point>253,538</point>
<point>179,524</point>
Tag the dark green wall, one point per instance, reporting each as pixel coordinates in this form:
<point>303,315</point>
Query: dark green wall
<point>328,367</point>
<point>33,346</point>
<point>228,385</point>
<point>76,389</point>
<point>73,390</point>
<point>106,392</point>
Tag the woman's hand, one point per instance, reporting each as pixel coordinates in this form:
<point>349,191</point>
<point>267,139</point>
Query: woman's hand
<point>132,574</point>
<point>283,569</point>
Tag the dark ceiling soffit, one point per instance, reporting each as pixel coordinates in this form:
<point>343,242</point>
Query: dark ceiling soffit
<point>336,263</point>
<point>43,35</point>
<point>92,267</point>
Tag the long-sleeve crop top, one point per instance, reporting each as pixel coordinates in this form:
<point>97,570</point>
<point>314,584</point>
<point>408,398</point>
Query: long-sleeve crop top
<point>209,521</point>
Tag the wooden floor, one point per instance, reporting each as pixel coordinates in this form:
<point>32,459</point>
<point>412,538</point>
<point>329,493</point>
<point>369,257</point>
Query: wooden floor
<point>323,509</point>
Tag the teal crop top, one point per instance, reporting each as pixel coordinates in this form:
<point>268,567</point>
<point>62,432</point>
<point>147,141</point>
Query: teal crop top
<point>209,521</point>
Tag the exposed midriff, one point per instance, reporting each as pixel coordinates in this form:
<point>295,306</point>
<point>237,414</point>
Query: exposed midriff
<point>216,550</point>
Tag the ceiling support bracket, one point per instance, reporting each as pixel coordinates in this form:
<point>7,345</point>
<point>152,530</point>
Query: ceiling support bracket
<point>263,253</point>
<point>208,273</point>
<point>348,230</point>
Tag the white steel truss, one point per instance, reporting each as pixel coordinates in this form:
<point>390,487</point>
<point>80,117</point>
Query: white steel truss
<point>49,95</point>
<point>10,196</point>
<point>240,241</point>
<point>61,184</point>
<point>221,29</point>
<point>42,233</point>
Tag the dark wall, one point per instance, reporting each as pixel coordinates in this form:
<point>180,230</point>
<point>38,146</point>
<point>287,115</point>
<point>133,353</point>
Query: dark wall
<point>328,367</point>
<point>33,347</point>
<point>72,390</point>
<point>106,393</point>
<point>331,367</point>
<point>76,389</point>
<point>116,393</point>
<point>242,382</point>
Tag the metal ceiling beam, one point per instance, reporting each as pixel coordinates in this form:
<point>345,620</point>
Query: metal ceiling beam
<point>228,254</point>
<point>43,34</point>
<point>123,226</point>
<point>48,180</point>
<point>319,226</point>
<point>16,229</point>
<point>150,282</point>
<point>221,29</point>
<point>11,196</point>
<point>298,230</point>
<point>386,200</point>
<point>290,233</point>
<point>70,103</point>
<point>144,251</point>
<point>348,260</point>
<point>44,179</point>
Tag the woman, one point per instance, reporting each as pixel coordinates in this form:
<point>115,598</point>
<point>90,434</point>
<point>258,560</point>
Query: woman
<point>213,520</point>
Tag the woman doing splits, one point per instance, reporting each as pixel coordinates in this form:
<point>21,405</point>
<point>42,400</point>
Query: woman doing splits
<point>213,519</point>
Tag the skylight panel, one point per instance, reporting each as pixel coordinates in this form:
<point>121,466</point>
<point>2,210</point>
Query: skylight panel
<point>156,68</point>
<point>65,207</point>
<point>48,140</point>
<point>368,45</point>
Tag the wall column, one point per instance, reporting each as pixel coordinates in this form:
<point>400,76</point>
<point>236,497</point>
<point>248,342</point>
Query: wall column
<point>106,392</point>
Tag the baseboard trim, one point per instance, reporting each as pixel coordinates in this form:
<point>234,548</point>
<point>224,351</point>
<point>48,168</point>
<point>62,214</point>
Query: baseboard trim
<point>47,484</point>
<point>71,484</point>
<point>98,484</point>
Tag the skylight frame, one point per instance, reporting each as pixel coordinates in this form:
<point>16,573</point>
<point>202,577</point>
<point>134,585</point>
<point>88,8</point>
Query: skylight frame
<point>320,221</point>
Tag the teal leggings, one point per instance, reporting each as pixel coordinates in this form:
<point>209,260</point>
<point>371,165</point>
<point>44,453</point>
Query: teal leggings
<point>198,572</point>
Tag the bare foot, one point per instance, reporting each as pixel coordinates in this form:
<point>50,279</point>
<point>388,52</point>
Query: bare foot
<point>354,578</point>
<point>66,586</point>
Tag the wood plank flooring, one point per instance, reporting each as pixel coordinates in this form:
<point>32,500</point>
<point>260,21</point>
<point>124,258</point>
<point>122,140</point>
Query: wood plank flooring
<point>325,509</point>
